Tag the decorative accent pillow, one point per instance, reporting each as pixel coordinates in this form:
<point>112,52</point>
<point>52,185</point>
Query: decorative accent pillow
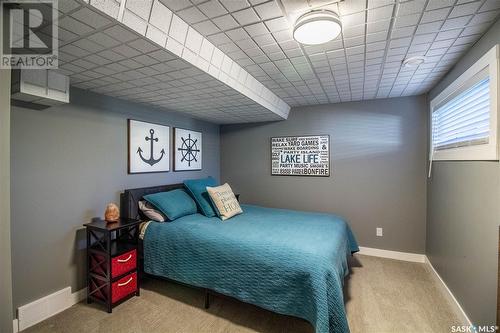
<point>150,211</point>
<point>173,204</point>
<point>198,190</point>
<point>224,201</point>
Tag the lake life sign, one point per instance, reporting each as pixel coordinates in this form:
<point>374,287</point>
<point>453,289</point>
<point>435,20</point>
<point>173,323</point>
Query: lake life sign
<point>300,155</point>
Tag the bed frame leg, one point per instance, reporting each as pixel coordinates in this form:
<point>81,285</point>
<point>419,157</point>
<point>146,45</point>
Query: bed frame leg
<point>207,299</point>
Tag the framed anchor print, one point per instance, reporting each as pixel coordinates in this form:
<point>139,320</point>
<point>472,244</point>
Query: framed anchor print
<point>187,150</point>
<point>148,147</point>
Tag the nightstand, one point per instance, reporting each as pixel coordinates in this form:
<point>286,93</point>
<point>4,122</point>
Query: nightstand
<point>112,275</point>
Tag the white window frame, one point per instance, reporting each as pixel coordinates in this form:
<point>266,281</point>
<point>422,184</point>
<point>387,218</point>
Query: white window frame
<point>481,152</point>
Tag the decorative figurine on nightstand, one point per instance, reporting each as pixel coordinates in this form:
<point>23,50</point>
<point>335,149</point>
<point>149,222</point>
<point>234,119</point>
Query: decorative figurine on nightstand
<point>112,213</point>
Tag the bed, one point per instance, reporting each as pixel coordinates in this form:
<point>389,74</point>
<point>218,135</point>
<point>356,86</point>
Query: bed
<point>289,262</point>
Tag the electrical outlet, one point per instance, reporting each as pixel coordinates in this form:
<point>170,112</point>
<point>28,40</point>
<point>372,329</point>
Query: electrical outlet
<point>380,232</point>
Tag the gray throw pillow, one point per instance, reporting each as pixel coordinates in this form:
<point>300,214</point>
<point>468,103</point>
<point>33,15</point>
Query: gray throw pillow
<point>151,212</point>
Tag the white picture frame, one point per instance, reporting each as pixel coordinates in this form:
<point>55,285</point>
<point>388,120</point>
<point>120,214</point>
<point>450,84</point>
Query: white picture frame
<point>188,146</point>
<point>148,147</point>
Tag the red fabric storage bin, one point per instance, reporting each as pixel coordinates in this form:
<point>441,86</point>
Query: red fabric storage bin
<point>124,287</point>
<point>123,263</point>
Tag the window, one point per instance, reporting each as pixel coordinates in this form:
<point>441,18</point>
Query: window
<point>464,115</point>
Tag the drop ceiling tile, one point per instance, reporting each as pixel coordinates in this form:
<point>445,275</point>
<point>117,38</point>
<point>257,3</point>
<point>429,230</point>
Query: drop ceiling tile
<point>234,5</point>
<point>407,20</point>
<point>490,5</point>
<point>256,29</point>
<point>353,66</point>
<point>178,29</point>
<point>450,34</point>
<point>89,45</point>
<point>403,32</point>
<point>456,23</point>
<point>212,8</point>
<point>67,6</point>
<point>191,15</point>
<point>219,39</point>
<point>475,29</point>
<point>411,7</point>
<point>427,38</point>
<point>71,24</point>
<point>268,10</point>
<point>161,16</point>
<point>225,22</point>
<point>156,35</point>
<point>141,8</point>
<point>120,34</point>
<point>264,39</point>
<point>379,26</point>
<point>380,13</point>
<point>465,9</point>
<point>349,42</point>
<point>110,7</point>
<point>126,51</point>
<point>143,45</point>
<point>435,15</point>
<point>113,56</point>
<point>353,6</point>
<point>176,5</point>
<point>376,37</point>
<point>442,44</point>
<point>282,36</point>
<point>193,40</point>
<point>353,31</point>
<point>246,16</point>
<point>134,22</point>
<point>237,34</point>
<point>91,18</point>
<point>74,50</point>
<point>208,27</point>
<point>429,27</point>
<point>484,17</point>
<point>247,44</point>
<point>277,24</point>
<point>354,19</point>
<point>175,47</point>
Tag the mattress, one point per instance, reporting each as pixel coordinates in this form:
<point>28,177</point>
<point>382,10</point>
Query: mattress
<point>289,262</point>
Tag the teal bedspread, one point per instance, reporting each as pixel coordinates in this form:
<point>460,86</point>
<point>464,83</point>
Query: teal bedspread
<point>286,261</point>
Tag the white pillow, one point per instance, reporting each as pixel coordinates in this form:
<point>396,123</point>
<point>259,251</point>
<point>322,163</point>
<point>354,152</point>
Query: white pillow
<point>225,201</point>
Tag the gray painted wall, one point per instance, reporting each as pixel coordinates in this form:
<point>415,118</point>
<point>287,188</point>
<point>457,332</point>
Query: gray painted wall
<point>68,162</point>
<point>6,314</point>
<point>378,156</point>
<point>463,216</point>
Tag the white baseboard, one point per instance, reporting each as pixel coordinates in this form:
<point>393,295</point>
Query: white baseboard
<point>451,298</point>
<point>421,258</point>
<point>15,326</point>
<point>45,307</point>
<point>405,256</point>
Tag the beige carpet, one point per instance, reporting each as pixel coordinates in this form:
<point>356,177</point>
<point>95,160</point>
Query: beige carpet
<point>382,295</point>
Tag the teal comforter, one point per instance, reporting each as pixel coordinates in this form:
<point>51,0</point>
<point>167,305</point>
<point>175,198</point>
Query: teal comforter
<point>289,262</point>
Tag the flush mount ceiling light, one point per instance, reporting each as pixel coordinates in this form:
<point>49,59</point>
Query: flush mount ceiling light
<point>414,61</point>
<point>317,27</point>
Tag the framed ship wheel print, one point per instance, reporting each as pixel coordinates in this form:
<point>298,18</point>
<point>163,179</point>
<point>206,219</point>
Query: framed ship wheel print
<point>187,150</point>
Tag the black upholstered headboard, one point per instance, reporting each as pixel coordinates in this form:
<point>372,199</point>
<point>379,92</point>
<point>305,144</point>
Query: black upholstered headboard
<point>129,199</point>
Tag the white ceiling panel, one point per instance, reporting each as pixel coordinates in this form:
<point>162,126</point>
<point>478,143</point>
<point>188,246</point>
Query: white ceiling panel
<point>231,61</point>
<point>364,62</point>
<point>147,54</point>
